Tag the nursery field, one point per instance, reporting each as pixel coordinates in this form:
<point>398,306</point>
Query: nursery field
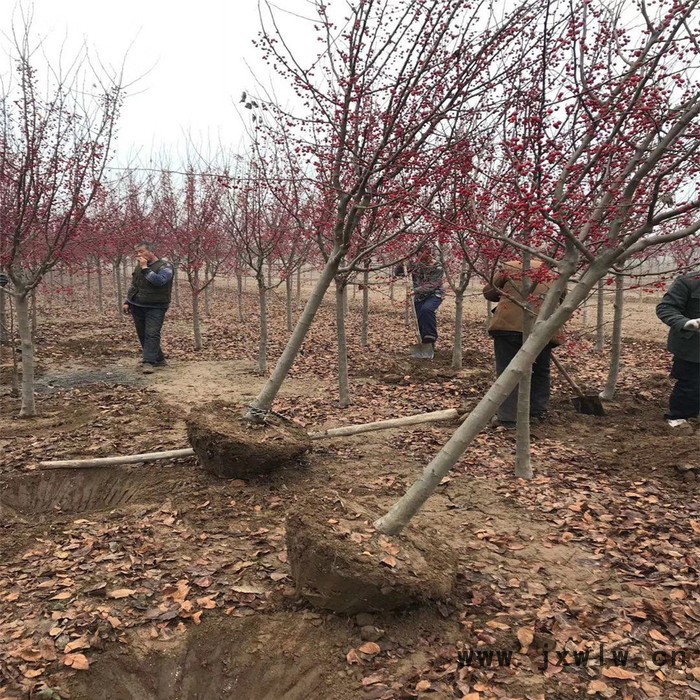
<point>157,580</point>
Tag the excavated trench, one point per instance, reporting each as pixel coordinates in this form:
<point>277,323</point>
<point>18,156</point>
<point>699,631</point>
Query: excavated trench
<point>282,656</point>
<point>75,491</point>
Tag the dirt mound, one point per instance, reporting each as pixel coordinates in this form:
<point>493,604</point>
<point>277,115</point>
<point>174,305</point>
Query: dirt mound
<point>339,562</point>
<point>229,446</point>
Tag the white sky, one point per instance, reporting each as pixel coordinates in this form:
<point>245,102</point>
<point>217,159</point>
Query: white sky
<point>192,55</point>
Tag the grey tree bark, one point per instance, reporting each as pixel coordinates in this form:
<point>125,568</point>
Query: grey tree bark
<point>341,292</point>
<point>616,341</point>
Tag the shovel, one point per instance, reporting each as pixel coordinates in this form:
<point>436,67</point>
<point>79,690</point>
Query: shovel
<point>589,404</point>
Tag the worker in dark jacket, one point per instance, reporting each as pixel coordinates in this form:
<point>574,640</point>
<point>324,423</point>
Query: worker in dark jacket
<point>680,310</point>
<point>427,277</point>
<point>147,301</point>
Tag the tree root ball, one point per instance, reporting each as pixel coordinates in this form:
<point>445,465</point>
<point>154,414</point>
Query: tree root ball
<point>340,562</point>
<point>232,447</point>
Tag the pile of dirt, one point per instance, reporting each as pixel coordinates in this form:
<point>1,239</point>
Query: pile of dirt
<point>232,447</point>
<point>341,563</point>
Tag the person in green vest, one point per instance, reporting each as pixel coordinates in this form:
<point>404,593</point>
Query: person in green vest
<point>147,301</point>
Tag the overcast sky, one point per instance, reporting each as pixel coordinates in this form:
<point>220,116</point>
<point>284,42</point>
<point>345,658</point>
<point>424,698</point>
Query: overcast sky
<point>190,56</point>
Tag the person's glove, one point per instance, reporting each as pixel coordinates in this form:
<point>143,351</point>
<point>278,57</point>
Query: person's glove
<point>692,325</point>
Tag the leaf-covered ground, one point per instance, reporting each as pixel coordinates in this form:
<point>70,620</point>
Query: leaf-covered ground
<point>159,581</point>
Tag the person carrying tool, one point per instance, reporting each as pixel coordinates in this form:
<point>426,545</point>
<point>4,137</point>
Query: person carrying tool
<point>427,277</point>
<point>506,329</point>
<point>680,310</point>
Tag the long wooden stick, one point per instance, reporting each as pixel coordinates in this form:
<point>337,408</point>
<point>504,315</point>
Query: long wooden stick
<point>446,414</point>
<point>119,459</point>
<point>431,417</point>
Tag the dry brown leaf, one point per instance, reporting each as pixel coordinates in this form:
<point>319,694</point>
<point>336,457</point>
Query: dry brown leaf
<point>597,687</point>
<point>655,634</point>
<point>423,685</point>
<point>121,593</point>
<point>370,648</point>
<point>33,673</point>
<point>496,625</point>
<point>472,696</point>
<point>388,560</point>
<point>525,637</point>
<point>63,595</point>
<point>76,661</point>
<point>197,617</point>
<point>79,643</point>
<point>352,658</point>
<point>619,673</point>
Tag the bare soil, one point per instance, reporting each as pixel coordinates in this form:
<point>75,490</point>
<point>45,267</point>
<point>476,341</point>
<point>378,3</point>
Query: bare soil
<point>168,582</point>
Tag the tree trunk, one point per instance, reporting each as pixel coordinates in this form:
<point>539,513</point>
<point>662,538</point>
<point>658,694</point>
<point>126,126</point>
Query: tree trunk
<point>298,284</point>
<point>263,402</point>
<point>365,307</point>
<point>126,273</point>
<point>100,304</point>
<point>409,504</point>
<point>4,332</point>
<point>269,275</point>
<point>118,285</point>
<point>459,319</point>
<point>616,341</point>
<point>600,319</point>
<point>523,453</point>
<point>88,279</point>
<point>196,326</point>
<point>341,292</point>
<point>28,408</point>
<point>391,288</point>
<point>262,347</point>
<point>289,290</point>
<point>207,288</point>
<point>176,286</point>
<point>34,320</point>
<point>584,313</point>
<point>239,289</point>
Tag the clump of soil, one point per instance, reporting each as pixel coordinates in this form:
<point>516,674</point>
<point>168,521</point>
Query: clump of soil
<point>232,447</point>
<point>341,563</point>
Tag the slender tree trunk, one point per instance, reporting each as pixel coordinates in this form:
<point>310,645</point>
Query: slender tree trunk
<point>600,318</point>
<point>289,289</point>
<point>616,341</point>
<point>34,316</point>
<point>262,347</point>
<point>4,326</point>
<point>176,286</point>
<point>239,291</point>
<point>100,304</point>
<point>459,319</point>
<point>125,272</point>
<point>263,401</point>
<point>269,275</point>
<point>346,303</point>
<point>298,284</point>
<point>118,285</point>
<point>523,453</point>
<point>196,325</point>
<point>28,407</point>
<point>391,288</point>
<point>88,280</point>
<point>365,307</point>
<point>207,287</point>
<point>341,292</point>
<point>584,313</point>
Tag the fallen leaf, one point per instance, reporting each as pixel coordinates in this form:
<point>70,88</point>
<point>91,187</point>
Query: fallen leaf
<point>63,595</point>
<point>121,593</point>
<point>370,648</point>
<point>423,685</point>
<point>619,673</point>
<point>597,687</point>
<point>525,637</point>
<point>388,560</point>
<point>76,661</point>
<point>79,643</point>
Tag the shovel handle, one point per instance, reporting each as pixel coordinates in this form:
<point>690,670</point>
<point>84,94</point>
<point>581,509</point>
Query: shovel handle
<point>567,376</point>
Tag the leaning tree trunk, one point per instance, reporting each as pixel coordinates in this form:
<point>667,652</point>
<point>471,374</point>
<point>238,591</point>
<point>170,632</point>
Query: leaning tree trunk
<point>523,453</point>
<point>28,407</point>
<point>263,402</point>
<point>289,290</point>
<point>365,307</point>
<point>408,505</point>
<point>616,341</point>
<point>459,319</point>
<point>341,292</point>
<point>600,318</point>
<point>262,347</point>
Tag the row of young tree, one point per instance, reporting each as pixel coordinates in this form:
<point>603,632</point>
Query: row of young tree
<point>562,131</point>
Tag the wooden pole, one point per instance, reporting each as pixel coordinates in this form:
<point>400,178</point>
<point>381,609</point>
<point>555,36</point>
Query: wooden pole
<point>120,459</point>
